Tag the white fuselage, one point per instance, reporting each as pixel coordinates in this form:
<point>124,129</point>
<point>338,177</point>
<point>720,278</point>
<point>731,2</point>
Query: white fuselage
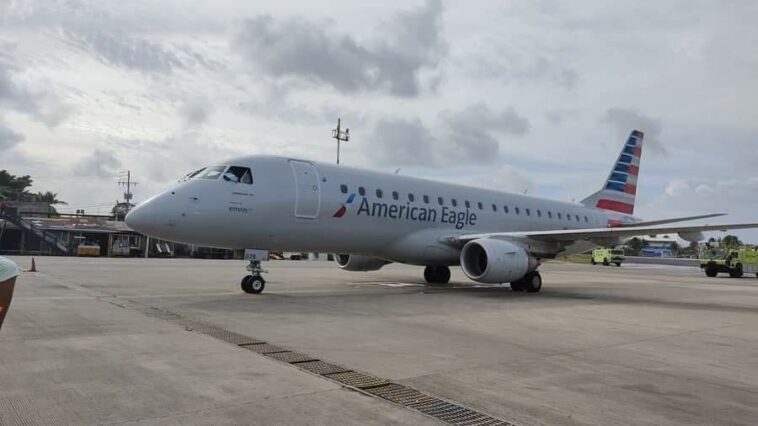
<point>294,205</point>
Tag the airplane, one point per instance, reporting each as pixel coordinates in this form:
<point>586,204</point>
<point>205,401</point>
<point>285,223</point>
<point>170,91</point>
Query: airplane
<point>370,219</point>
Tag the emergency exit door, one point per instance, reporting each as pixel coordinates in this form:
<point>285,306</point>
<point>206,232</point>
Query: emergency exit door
<point>308,199</point>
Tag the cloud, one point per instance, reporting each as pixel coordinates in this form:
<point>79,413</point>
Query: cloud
<point>101,163</point>
<point>410,43</point>
<point>196,112</point>
<point>124,50</point>
<point>626,120</point>
<point>8,138</point>
<point>468,136</point>
<point>41,105</point>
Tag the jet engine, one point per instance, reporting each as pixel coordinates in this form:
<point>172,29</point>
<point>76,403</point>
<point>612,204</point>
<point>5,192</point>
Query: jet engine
<point>692,236</point>
<point>487,260</point>
<point>351,262</point>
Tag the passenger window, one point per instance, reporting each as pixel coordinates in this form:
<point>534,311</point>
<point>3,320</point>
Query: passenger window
<point>454,202</point>
<point>577,217</point>
<point>505,209</point>
<point>213,173</point>
<point>343,189</point>
<point>568,217</point>
<point>518,210</point>
<point>426,199</point>
<point>379,193</point>
<point>586,220</point>
<point>528,212</point>
<point>494,208</point>
<point>467,204</point>
<point>362,191</point>
<point>539,213</point>
<point>411,197</point>
<point>480,205</point>
<point>550,215</point>
<point>441,201</point>
<point>560,216</point>
<point>395,195</point>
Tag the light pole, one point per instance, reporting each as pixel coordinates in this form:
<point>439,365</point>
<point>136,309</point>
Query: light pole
<point>340,136</point>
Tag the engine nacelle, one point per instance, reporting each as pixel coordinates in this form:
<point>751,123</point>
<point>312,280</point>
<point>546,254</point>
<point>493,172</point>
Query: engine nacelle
<point>692,236</point>
<point>351,262</point>
<point>488,260</point>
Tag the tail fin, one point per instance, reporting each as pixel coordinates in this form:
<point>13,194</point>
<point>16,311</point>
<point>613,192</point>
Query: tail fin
<point>620,190</point>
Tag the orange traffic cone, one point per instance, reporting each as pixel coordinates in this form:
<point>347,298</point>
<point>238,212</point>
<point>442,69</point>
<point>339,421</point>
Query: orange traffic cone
<point>34,266</point>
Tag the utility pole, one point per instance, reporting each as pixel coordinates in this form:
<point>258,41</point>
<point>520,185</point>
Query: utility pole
<point>128,184</point>
<point>340,136</point>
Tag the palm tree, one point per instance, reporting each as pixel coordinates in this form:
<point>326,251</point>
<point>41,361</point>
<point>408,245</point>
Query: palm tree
<point>50,198</point>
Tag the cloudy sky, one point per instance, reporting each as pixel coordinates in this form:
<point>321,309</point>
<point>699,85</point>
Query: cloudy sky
<point>518,95</point>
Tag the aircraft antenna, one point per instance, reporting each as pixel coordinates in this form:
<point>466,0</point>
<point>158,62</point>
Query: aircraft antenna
<point>340,136</point>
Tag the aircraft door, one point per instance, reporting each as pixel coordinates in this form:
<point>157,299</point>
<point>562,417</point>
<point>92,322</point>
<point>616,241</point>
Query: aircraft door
<point>308,199</point>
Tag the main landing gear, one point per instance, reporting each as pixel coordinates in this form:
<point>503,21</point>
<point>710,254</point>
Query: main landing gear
<point>437,274</point>
<point>253,283</point>
<point>531,283</point>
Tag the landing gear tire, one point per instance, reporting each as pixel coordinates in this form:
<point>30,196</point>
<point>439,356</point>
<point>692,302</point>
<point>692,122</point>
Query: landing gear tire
<point>605,262</point>
<point>592,262</point>
<point>618,264</point>
<point>253,284</point>
<point>517,286</point>
<point>532,282</point>
<point>437,274</point>
<point>711,272</point>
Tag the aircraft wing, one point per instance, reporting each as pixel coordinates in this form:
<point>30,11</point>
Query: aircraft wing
<point>600,233</point>
<point>667,221</point>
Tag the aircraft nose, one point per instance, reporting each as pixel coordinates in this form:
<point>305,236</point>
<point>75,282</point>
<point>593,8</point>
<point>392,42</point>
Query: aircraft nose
<point>139,219</point>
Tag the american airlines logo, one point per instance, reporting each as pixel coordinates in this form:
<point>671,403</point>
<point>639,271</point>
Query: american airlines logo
<point>343,207</point>
<point>407,212</point>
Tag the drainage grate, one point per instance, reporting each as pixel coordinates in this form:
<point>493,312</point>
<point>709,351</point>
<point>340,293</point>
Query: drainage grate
<point>291,357</point>
<point>227,336</point>
<point>322,368</point>
<point>400,394</point>
<point>358,380</point>
<point>455,414</point>
<point>393,392</point>
<point>264,348</point>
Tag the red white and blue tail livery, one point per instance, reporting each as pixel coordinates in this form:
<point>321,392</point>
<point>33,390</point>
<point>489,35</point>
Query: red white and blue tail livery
<point>620,190</point>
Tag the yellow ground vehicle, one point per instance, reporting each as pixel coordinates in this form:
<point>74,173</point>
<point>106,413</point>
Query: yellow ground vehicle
<point>736,263</point>
<point>606,256</point>
<point>88,250</point>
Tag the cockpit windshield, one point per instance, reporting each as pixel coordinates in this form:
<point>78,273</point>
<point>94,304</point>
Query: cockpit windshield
<point>213,172</point>
<point>238,174</point>
<point>190,175</point>
<point>235,174</point>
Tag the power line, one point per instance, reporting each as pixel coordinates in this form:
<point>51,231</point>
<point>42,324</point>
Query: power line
<point>128,194</point>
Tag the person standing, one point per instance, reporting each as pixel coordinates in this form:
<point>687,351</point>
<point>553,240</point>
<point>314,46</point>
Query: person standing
<point>8,273</point>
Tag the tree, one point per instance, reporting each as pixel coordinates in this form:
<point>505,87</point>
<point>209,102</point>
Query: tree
<point>636,245</point>
<point>675,248</point>
<point>120,210</point>
<point>731,242</point>
<point>50,198</point>
<point>14,188</point>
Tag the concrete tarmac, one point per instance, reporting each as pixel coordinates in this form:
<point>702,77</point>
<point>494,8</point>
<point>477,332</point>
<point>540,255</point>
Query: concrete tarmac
<point>599,345</point>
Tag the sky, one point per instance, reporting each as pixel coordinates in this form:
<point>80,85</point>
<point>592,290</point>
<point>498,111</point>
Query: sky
<point>528,96</point>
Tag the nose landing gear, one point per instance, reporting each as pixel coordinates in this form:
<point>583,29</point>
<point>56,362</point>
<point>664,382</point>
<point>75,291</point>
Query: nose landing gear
<point>253,283</point>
